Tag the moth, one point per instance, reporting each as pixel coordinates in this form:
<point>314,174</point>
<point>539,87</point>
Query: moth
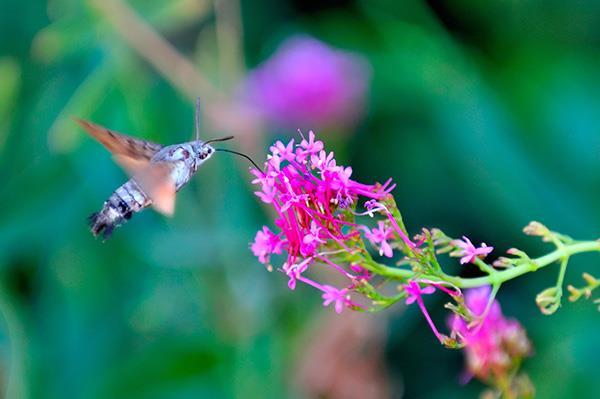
<point>157,173</point>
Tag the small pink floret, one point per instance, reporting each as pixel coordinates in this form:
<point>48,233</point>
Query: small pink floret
<point>469,252</point>
<point>379,236</point>
<point>339,297</point>
<point>266,243</point>
<point>415,291</point>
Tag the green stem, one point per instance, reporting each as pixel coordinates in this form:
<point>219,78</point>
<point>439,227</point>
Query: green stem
<point>561,274</point>
<point>484,267</point>
<point>498,277</point>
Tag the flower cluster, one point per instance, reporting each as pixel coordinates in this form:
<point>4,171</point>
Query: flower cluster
<point>319,226</point>
<point>306,82</point>
<point>314,199</point>
<point>493,344</point>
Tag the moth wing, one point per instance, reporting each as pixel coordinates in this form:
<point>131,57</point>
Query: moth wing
<point>131,165</point>
<point>154,179</point>
<point>157,183</point>
<point>120,144</point>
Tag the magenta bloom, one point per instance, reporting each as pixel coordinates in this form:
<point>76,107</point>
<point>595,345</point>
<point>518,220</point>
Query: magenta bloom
<point>294,272</point>
<point>311,194</point>
<point>469,252</point>
<point>308,83</point>
<point>493,343</point>
<point>266,243</point>
<point>379,236</point>
<point>339,298</point>
<point>306,194</point>
<point>414,293</point>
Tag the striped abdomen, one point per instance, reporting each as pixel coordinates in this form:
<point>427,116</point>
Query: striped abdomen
<point>120,206</point>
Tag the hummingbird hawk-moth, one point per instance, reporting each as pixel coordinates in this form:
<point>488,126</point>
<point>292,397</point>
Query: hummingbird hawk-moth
<point>157,173</point>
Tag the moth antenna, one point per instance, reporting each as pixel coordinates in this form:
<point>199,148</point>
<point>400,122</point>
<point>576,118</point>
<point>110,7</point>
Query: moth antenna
<point>219,139</point>
<point>197,118</point>
<point>241,155</point>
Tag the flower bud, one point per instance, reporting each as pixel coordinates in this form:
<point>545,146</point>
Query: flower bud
<point>516,252</point>
<point>575,293</point>
<point>536,229</point>
<point>504,262</point>
<point>591,280</point>
<point>549,300</point>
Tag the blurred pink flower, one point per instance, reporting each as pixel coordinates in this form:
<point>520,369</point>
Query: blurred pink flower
<point>469,252</point>
<point>307,83</point>
<point>493,343</point>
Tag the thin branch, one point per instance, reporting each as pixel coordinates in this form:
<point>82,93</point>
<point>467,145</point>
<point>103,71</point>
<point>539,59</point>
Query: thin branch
<point>176,68</point>
<point>222,113</point>
<point>229,40</point>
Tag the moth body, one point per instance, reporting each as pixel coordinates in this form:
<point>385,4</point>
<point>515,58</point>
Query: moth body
<point>157,173</point>
<point>185,159</point>
<point>118,208</point>
<point>169,169</point>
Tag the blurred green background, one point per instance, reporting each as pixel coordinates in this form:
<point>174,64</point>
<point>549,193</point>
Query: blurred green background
<point>484,113</point>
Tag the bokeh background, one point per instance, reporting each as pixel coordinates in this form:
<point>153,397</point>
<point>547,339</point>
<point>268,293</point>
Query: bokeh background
<point>484,113</point>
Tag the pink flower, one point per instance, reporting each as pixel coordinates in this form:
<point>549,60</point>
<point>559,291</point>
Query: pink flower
<point>307,204</point>
<point>414,294</point>
<point>468,252</point>
<point>266,243</point>
<point>294,272</point>
<point>379,236</point>
<point>361,272</point>
<point>285,152</point>
<point>311,240</point>
<point>339,298</point>
<point>323,161</point>
<point>414,291</point>
<point>308,83</point>
<point>309,148</point>
<point>493,343</point>
<point>308,193</point>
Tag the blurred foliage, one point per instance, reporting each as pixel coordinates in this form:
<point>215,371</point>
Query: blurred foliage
<point>485,114</point>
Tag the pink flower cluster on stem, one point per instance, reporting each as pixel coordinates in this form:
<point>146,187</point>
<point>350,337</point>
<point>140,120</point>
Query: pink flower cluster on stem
<point>493,342</point>
<point>309,193</point>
